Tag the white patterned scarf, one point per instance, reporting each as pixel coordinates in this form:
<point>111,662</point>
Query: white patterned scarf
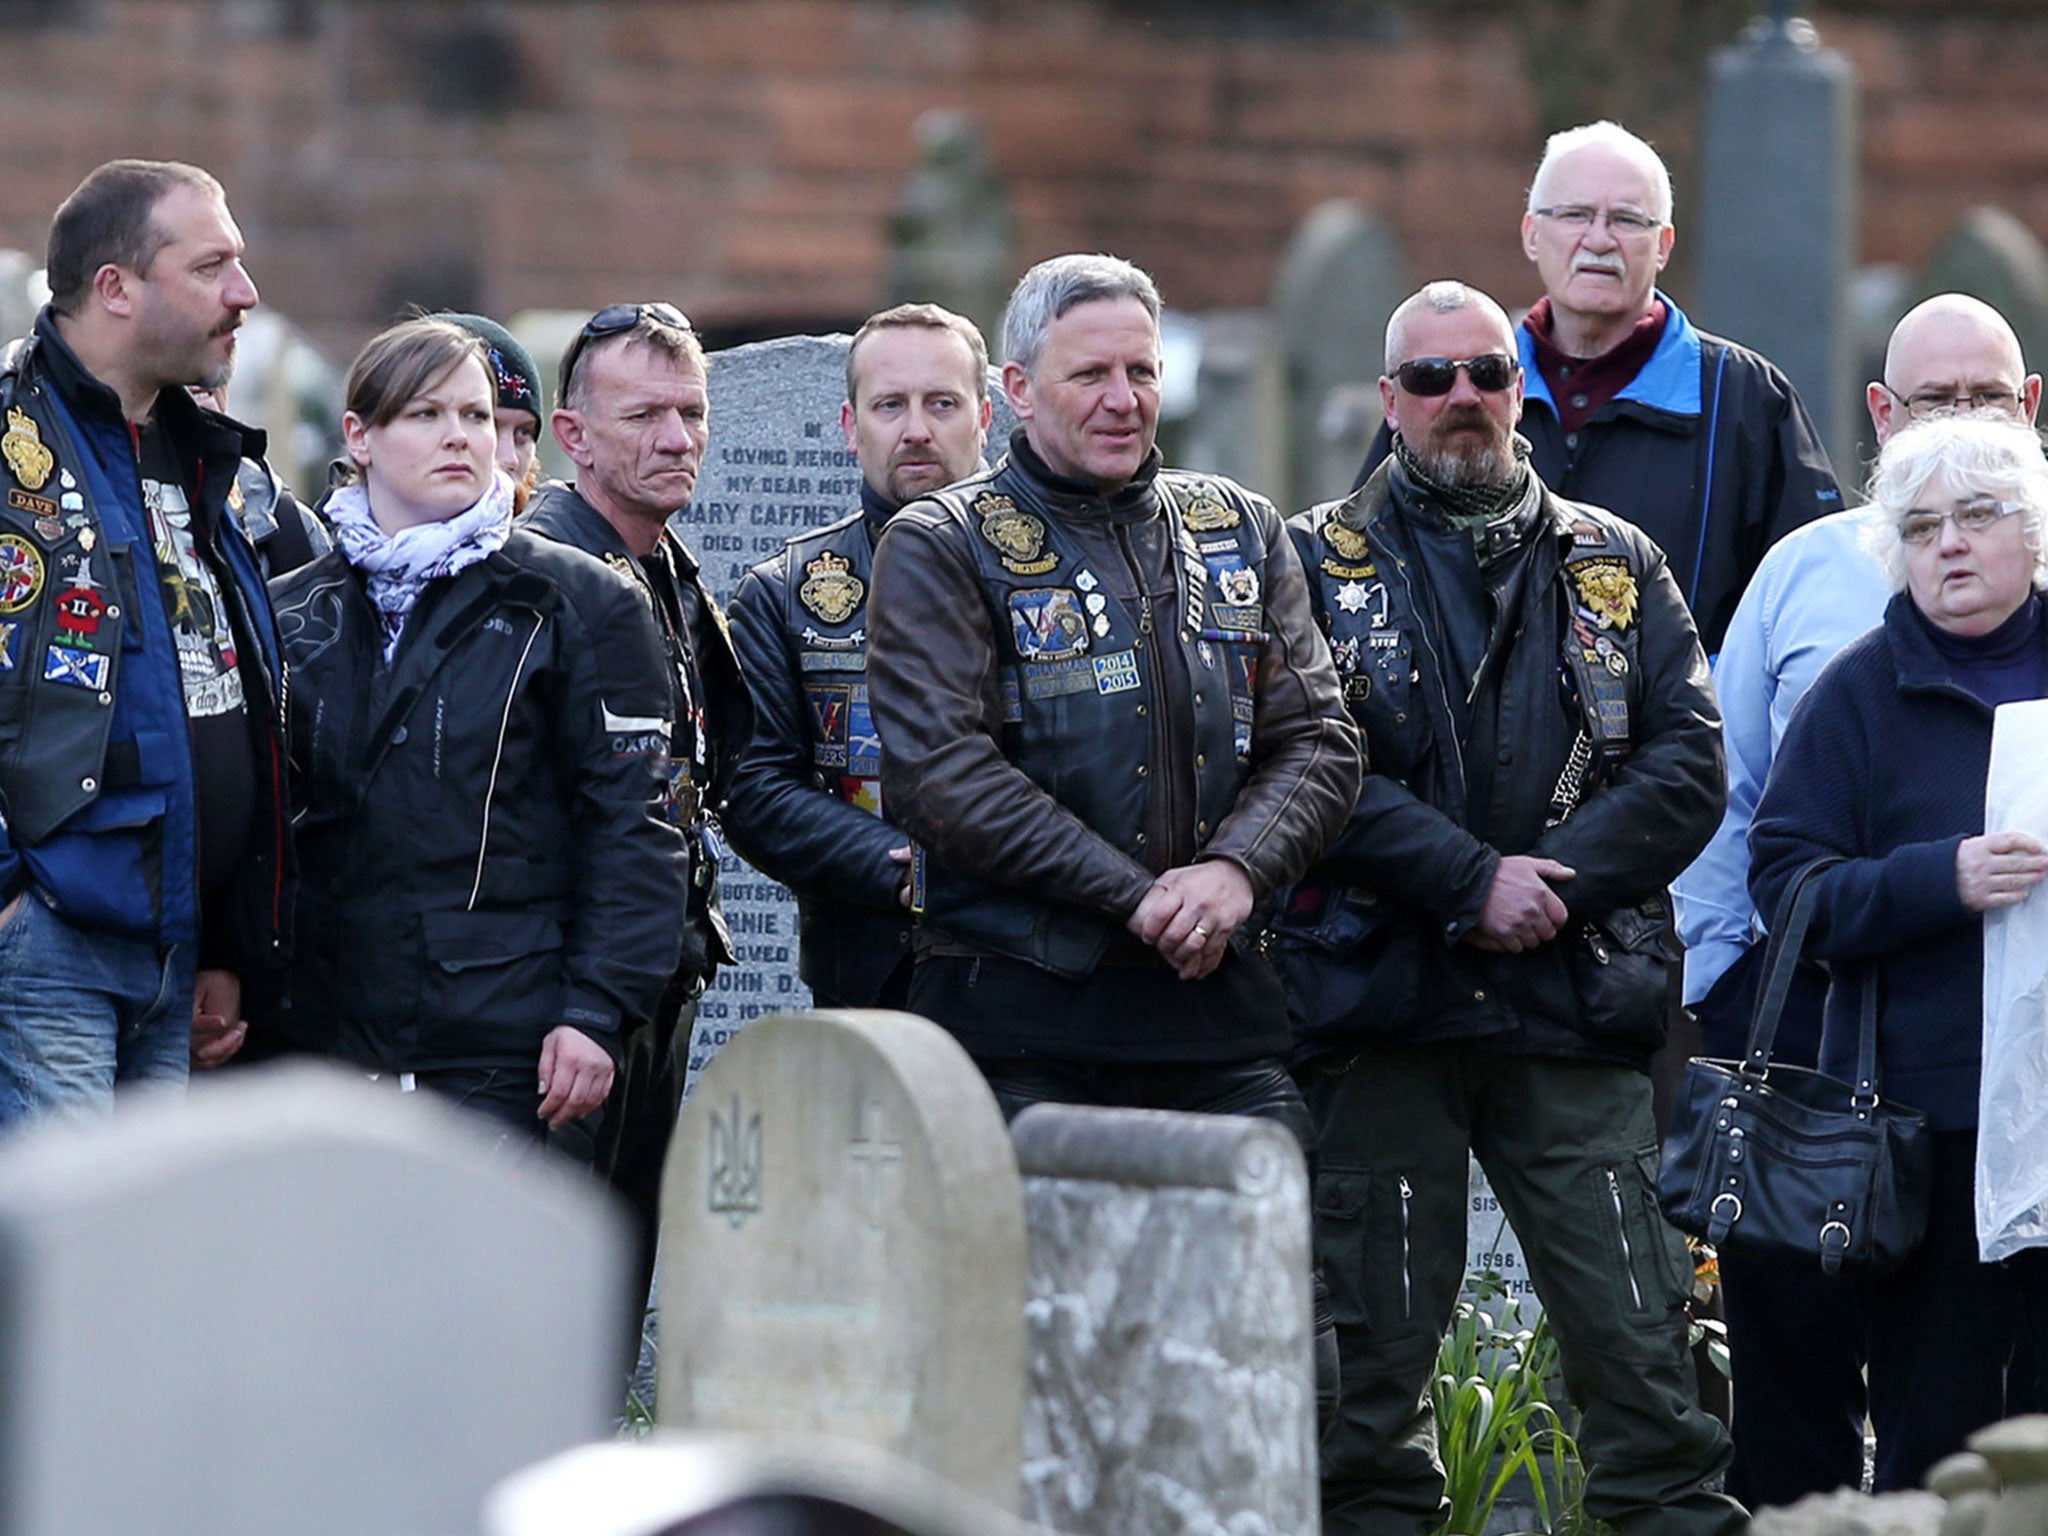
<point>399,566</point>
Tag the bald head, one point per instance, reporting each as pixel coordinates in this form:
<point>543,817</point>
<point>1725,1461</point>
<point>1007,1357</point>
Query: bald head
<point>1947,349</point>
<point>1442,298</point>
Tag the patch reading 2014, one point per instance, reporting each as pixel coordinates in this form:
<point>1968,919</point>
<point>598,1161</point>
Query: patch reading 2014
<point>830,588</point>
<point>1117,672</point>
<point>1607,591</point>
<point>21,573</point>
<point>1047,623</point>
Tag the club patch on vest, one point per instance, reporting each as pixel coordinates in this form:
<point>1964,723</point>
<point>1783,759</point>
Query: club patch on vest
<point>830,712</point>
<point>830,589</point>
<point>1047,623</point>
<point>1205,514</point>
<point>1347,543</point>
<point>21,573</point>
<point>1607,591</point>
<point>75,669</point>
<point>8,631</point>
<point>1117,672</point>
<point>1235,580</point>
<point>22,446</point>
<point>1018,536</point>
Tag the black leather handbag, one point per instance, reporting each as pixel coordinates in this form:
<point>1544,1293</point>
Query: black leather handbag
<point>1784,1162</point>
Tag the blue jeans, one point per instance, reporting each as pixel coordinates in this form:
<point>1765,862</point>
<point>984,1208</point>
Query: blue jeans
<point>81,1010</point>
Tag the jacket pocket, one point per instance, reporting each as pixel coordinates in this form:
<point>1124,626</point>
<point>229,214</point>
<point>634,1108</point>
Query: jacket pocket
<point>494,980</point>
<point>1620,967</point>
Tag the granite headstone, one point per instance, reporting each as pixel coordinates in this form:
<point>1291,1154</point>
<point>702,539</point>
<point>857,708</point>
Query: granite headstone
<point>843,1248</point>
<point>1171,1382</point>
<point>292,1302</point>
<point>778,465</point>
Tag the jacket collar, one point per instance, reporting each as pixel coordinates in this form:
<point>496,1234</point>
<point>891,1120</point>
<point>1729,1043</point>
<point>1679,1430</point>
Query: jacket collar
<point>1669,381</point>
<point>1920,666</point>
<point>1133,502</point>
<point>559,505</point>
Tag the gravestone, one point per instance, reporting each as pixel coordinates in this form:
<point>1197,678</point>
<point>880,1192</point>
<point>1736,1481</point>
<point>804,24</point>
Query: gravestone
<point>1786,295</point>
<point>778,465</point>
<point>843,1248</point>
<point>292,1302</point>
<point>952,236</point>
<point>1342,275</point>
<point>1238,426</point>
<point>1171,1382</point>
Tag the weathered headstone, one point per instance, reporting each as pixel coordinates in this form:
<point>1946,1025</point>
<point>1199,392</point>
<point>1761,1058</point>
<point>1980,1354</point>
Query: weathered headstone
<point>1171,1382</point>
<point>1238,424</point>
<point>1341,277</point>
<point>843,1248</point>
<point>1785,295</point>
<point>778,465</point>
<point>809,1481</point>
<point>294,1303</point>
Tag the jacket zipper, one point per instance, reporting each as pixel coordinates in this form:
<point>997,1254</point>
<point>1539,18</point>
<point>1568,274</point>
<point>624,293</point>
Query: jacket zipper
<point>1162,824</point>
<point>1407,1287</point>
<point>1628,1257</point>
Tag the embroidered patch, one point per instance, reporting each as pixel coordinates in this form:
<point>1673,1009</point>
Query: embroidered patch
<point>1205,514</point>
<point>832,661</point>
<point>830,588</point>
<point>21,573</point>
<point>1587,536</point>
<point>1013,704</point>
<point>830,720</point>
<point>1048,679</point>
<point>75,669</point>
<point>22,446</point>
<point>863,742</point>
<point>1236,580</point>
<point>863,794</point>
<point>41,508</point>
<point>1607,590</point>
<point>1344,572</point>
<point>1243,620</point>
<point>79,610</point>
<point>1047,623</point>
<point>1348,543</point>
<point>1019,538</point>
<point>1117,672</point>
<point>8,631</point>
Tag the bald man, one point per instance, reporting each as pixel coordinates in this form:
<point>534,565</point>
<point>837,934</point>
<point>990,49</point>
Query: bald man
<point>1798,1392</point>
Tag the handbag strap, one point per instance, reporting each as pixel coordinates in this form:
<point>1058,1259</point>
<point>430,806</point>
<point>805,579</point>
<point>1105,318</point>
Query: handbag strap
<point>1781,962</point>
<point>1864,1099</point>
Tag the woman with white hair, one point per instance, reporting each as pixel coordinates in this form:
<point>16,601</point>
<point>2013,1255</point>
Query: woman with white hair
<point>1884,767</point>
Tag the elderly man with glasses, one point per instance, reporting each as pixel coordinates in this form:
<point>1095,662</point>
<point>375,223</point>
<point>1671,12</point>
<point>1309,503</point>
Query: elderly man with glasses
<point>634,416</point>
<point>1702,444</point>
<point>1477,966</point>
<point>1798,1383</point>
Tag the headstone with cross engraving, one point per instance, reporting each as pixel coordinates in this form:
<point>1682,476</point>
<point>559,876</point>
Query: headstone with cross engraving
<point>778,465</point>
<point>843,1248</point>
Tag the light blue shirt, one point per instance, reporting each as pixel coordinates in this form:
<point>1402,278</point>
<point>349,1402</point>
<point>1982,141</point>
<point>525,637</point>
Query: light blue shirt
<point>1816,590</point>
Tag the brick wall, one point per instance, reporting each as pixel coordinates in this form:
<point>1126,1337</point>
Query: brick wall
<point>742,155</point>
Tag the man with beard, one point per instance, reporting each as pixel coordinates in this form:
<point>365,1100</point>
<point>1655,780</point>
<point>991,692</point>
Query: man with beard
<point>1477,965</point>
<point>806,805</point>
<point>1701,443</point>
<point>142,837</point>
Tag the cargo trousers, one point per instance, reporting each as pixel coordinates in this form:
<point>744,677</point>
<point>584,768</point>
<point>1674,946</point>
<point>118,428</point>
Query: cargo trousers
<point>1571,1151</point>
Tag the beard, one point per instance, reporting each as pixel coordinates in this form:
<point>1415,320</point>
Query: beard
<point>1452,456</point>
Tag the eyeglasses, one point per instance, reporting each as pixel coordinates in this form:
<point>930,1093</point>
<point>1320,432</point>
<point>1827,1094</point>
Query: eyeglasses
<point>1942,402</point>
<point>610,321</point>
<point>1429,376</point>
<point>1918,528</point>
<point>1621,222</point>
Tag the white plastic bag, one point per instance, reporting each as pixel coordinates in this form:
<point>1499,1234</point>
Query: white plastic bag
<point>2012,1104</point>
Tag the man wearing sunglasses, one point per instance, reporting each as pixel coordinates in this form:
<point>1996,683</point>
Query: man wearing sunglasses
<point>633,414</point>
<point>1477,965</point>
<point>1702,444</point>
<point>1798,1387</point>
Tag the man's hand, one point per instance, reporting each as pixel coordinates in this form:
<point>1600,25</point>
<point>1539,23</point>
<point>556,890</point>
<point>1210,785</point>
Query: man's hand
<point>902,856</point>
<point>218,1028</point>
<point>1188,914</point>
<point>1998,869</point>
<point>1521,910</point>
<point>575,1076</point>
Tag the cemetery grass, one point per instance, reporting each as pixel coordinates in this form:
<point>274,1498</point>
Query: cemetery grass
<point>1500,1435</point>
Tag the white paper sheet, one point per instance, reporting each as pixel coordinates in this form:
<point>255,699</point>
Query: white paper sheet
<point>2012,1128</point>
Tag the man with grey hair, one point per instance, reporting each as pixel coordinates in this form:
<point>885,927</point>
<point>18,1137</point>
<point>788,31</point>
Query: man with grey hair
<point>1111,730</point>
<point>1477,965</point>
<point>1798,1385</point>
<point>1701,443</point>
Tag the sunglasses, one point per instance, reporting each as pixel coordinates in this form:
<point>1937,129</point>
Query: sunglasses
<point>611,321</point>
<point>1429,376</point>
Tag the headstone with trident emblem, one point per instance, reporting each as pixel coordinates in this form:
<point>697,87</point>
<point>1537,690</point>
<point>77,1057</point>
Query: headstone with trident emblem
<point>843,1248</point>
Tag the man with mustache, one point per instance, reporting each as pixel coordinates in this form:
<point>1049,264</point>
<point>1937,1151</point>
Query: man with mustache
<point>1702,444</point>
<point>807,798</point>
<point>1477,965</point>
<point>142,837</point>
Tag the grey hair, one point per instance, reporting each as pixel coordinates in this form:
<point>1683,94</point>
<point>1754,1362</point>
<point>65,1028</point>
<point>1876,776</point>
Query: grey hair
<point>1439,298</point>
<point>1055,286</point>
<point>1612,136</point>
<point>1983,453</point>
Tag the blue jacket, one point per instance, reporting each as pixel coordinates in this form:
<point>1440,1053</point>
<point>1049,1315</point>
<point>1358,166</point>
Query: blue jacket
<point>97,803</point>
<point>1885,764</point>
<point>1816,590</point>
